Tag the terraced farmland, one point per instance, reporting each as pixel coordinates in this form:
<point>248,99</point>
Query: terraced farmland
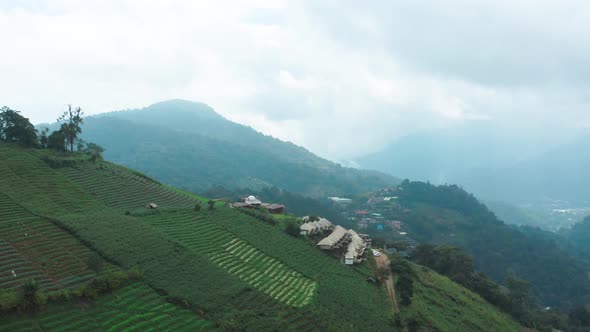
<point>259,270</point>
<point>132,308</point>
<point>32,247</point>
<point>39,188</point>
<point>120,188</point>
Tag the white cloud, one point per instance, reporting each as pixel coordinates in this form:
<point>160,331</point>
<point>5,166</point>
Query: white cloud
<point>339,78</point>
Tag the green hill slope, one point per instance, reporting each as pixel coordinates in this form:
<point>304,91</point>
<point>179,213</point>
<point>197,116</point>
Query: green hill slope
<point>442,305</point>
<point>188,145</point>
<point>132,308</point>
<point>227,267</point>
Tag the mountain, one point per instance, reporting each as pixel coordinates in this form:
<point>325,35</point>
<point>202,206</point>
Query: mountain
<point>446,155</point>
<point>557,174</point>
<point>188,145</point>
<point>102,260</point>
<point>495,164</point>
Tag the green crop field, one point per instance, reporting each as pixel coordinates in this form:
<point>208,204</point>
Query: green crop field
<point>120,188</point>
<point>257,269</point>
<point>31,247</point>
<point>132,308</point>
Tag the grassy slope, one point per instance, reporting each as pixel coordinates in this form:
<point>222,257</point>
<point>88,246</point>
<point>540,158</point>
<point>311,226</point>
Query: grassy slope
<point>178,250</point>
<point>90,212</point>
<point>133,308</point>
<point>446,306</point>
<point>33,246</point>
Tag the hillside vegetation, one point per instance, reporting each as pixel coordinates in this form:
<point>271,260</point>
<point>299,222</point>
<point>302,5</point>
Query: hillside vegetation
<point>223,269</point>
<point>448,214</point>
<point>443,305</point>
<point>188,145</point>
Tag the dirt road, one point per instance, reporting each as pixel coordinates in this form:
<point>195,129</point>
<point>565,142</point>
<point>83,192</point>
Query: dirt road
<point>383,261</point>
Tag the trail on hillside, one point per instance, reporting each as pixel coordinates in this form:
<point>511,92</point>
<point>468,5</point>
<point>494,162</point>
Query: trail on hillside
<point>383,261</point>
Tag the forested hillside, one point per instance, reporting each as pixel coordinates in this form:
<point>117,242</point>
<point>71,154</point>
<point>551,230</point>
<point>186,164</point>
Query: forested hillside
<point>188,145</point>
<point>448,214</point>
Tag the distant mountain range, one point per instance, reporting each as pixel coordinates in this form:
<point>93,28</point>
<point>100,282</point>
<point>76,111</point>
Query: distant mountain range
<point>494,164</point>
<point>187,144</point>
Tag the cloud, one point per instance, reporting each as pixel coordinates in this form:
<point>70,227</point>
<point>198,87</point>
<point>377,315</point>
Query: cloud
<point>339,77</point>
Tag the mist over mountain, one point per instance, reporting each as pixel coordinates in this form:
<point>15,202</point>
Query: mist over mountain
<point>495,164</point>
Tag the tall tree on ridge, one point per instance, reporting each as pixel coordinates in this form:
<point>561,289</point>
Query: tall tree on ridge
<point>15,128</point>
<point>71,124</point>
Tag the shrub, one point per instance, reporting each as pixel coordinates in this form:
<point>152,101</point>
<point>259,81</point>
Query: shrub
<point>292,229</point>
<point>10,299</point>
<point>135,273</point>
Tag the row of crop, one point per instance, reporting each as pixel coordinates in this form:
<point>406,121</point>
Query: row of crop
<point>192,229</point>
<point>337,283</point>
<point>264,273</point>
<point>30,182</point>
<point>122,189</point>
<point>135,308</point>
<point>36,248</point>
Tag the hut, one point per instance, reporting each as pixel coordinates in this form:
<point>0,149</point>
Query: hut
<point>274,208</point>
<point>313,227</point>
<point>335,239</point>
<point>252,201</point>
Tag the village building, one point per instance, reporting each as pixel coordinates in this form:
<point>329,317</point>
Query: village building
<point>335,240</point>
<point>356,249</point>
<point>315,227</point>
<point>274,208</point>
<point>252,201</point>
<point>340,200</point>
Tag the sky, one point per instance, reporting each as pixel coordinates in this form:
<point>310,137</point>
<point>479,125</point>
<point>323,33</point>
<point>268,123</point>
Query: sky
<point>342,78</point>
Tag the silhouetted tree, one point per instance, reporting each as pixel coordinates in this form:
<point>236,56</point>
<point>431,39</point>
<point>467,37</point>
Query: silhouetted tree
<point>15,128</point>
<point>71,125</point>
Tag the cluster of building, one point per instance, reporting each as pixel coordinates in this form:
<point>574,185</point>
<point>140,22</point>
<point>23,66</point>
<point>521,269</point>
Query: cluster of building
<point>251,202</point>
<point>315,227</point>
<point>337,238</point>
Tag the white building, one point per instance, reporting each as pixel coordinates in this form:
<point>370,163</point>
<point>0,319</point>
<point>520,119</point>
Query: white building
<point>333,241</point>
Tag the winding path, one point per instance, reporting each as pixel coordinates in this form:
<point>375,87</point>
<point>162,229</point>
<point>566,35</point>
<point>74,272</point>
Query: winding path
<point>383,262</point>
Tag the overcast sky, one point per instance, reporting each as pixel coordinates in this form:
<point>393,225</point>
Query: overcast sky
<point>341,78</point>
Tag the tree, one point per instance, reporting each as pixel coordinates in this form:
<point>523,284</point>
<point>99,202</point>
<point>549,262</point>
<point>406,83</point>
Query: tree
<point>292,229</point>
<point>57,141</point>
<point>95,151</point>
<point>71,125</point>
<point>30,288</point>
<point>211,204</point>
<point>15,128</point>
<point>198,206</point>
